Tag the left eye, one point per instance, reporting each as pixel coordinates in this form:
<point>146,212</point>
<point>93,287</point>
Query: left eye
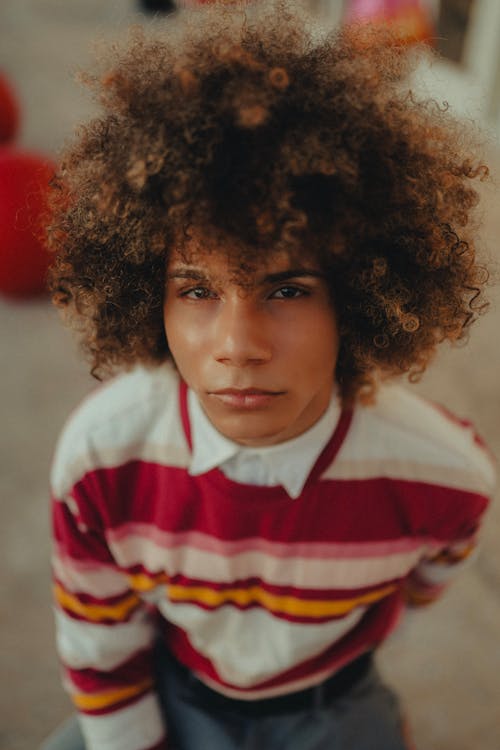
<point>198,293</point>
<point>288,292</point>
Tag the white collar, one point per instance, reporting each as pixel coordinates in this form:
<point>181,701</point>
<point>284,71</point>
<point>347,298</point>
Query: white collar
<point>288,464</point>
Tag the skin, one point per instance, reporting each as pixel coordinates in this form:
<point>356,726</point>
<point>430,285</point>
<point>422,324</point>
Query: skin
<point>259,352</point>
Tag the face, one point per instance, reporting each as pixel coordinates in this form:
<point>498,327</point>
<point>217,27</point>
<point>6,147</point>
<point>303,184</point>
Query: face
<point>260,355</point>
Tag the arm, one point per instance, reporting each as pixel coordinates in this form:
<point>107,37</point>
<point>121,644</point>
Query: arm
<point>450,551</point>
<point>432,575</point>
<point>105,636</point>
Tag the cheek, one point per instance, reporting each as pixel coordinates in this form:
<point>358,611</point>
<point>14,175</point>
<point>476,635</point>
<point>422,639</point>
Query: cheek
<point>316,343</point>
<point>173,325</point>
<point>187,338</point>
<point>184,337</point>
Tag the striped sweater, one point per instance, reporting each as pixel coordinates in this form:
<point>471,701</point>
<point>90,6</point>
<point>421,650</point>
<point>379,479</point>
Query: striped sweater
<point>258,594</point>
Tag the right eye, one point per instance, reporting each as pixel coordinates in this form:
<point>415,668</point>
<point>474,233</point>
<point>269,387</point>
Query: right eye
<point>198,292</point>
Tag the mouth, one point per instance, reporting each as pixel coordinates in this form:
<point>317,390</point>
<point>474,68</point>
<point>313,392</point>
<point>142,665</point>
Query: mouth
<point>245,398</point>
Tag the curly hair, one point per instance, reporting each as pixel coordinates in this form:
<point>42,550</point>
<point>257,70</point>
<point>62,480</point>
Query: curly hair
<point>252,125</point>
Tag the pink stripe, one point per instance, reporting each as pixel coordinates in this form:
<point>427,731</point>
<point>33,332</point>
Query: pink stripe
<point>321,550</point>
<point>79,565</point>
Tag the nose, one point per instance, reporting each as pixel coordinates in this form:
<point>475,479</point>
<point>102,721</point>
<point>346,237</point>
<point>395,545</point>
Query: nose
<point>242,336</point>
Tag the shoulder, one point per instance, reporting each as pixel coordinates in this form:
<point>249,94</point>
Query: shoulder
<point>133,416</point>
<point>405,436</point>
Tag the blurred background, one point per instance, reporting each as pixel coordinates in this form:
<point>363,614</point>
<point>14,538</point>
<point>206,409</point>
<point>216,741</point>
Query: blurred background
<point>445,661</point>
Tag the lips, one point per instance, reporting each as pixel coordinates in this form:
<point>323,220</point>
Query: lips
<point>245,391</point>
<point>245,398</point>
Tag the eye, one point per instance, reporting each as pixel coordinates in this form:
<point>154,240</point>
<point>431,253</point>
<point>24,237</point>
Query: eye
<point>289,292</point>
<point>197,293</point>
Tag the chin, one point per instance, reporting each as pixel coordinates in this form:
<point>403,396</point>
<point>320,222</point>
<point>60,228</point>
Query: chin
<point>252,437</point>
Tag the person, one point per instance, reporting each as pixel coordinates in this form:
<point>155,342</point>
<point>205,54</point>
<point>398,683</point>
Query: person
<point>259,233</point>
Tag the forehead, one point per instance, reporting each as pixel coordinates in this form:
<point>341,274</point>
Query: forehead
<point>224,261</point>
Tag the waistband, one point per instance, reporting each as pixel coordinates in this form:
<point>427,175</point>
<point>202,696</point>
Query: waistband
<point>330,689</point>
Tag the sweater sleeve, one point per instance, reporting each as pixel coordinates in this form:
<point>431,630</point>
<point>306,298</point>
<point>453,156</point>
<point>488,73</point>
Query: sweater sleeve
<point>105,636</point>
<point>452,513</point>
<point>452,546</point>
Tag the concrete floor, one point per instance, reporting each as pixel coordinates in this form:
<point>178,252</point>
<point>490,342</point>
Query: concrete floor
<point>445,661</point>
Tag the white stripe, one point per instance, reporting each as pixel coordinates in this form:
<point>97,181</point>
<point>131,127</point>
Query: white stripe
<point>91,578</point>
<point>301,572</point>
<point>401,426</point>
<point>453,474</point>
<point>142,404</point>
<point>131,728</point>
<point>436,574</point>
<point>110,456</point>
<point>84,645</point>
<point>247,647</point>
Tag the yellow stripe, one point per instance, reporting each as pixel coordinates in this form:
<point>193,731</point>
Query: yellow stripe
<point>290,605</point>
<point>419,599</point>
<point>142,582</point>
<point>448,557</point>
<point>95,612</point>
<point>95,701</point>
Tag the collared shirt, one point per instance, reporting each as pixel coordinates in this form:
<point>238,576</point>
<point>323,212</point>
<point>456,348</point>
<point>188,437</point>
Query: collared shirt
<point>288,464</point>
<point>258,598</point>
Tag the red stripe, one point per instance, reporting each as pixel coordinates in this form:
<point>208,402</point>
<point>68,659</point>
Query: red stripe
<point>80,543</point>
<point>379,509</point>
<point>331,449</point>
<point>183,404</point>
<point>135,669</point>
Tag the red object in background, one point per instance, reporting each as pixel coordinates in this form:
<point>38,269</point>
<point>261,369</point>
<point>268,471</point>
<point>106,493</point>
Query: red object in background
<point>24,181</point>
<point>9,111</point>
<point>410,19</point>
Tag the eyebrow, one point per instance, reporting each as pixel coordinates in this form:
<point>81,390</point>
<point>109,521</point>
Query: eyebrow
<point>292,273</point>
<point>271,278</point>
<point>187,273</point>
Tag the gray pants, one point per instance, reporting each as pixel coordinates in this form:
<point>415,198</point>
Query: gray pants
<point>365,717</point>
